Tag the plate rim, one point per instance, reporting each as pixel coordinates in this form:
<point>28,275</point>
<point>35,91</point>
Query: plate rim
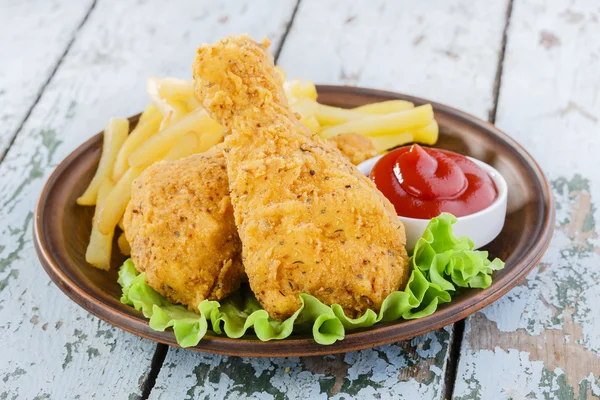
<point>289,347</point>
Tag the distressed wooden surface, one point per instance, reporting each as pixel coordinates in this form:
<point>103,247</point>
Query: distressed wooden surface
<point>445,51</point>
<point>386,372</point>
<point>32,46</point>
<point>542,340</point>
<point>51,347</point>
<point>365,46</point>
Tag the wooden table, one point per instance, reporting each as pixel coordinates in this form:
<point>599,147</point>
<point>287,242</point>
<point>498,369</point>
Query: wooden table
<point>532,67</point>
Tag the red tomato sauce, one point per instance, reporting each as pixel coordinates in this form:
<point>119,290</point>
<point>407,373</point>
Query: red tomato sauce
<point>424,182</point>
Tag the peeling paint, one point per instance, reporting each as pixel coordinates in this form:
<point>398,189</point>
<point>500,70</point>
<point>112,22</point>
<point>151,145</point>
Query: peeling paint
<point>412,368</point>
<point>17,372</point>
<point>552,347</point>
<point>73,346</point>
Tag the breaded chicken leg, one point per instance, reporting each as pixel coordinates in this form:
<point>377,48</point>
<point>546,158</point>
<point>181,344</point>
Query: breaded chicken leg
<point>180,226</point>
<point>308,220</point>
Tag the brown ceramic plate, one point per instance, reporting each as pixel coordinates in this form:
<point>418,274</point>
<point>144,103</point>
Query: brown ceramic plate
<point>62,230</point>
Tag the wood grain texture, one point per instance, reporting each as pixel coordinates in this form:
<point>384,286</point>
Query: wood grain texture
<point>52,348</point>
<point>384,372</point>
<point>443,50</point>
<point>446,51</point>
<point>541,340</point>
<point>32,46</point>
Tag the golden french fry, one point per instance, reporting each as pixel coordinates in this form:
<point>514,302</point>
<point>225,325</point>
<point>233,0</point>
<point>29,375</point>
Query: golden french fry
<point>149,112</point>
<point>328,115</point>
<point>176,110</point>
<point>157,147</point>
<point>209,138</point>
<point>386,142</point>
<point>121,224</point>
<point>374,125</point>
<point>312,124</point>
<point>99,249</point>
<point>114,206</point>
<point>384,107</point>
<point>305,107</point>
<point>193,103</point>
<point>296,90</point>
<point>153,90</point>
<point>184,147</point>
<point>178,90</point>
<point>173,87</point>
<point>325,115</point>
<point>174,97</point>
<point>427,135</point>
<point>146,127</point>
<point>123,244</point>
<point>115,135</point>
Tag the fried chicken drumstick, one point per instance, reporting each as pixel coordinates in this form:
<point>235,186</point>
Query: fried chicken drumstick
<point>308,220</point>
<point>181,228</point>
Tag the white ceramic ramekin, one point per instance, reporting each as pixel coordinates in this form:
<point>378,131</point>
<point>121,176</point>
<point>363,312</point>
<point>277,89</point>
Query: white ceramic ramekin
<point>482,227</point>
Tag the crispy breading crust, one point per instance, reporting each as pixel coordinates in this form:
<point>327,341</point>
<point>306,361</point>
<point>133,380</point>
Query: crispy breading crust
<point>181,229</point>
<point>309,221</point>
<point>357,148</point>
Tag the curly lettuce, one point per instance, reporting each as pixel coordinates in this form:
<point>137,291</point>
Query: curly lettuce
<point>441,264</point>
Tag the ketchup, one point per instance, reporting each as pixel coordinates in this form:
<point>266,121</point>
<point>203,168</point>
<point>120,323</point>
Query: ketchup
<point>423,182</point>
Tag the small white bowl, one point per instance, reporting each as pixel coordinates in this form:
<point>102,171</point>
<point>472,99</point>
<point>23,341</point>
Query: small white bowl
<point>482,227</point>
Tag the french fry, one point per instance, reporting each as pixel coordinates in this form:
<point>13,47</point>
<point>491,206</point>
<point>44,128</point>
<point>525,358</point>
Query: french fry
<point>386,142</point>
<point>175,97</point>
<point>157,147</point>
<point>184,147</point>
<point>114,206</point>
<point>305,107</point>
<point>147,126</point>
<point>209,138</point>
<point>124,244</point>
<point>172,89</point>
<point>115,135</point>
<point>374,125</point>
<point>325,115</point>
<point>121,224</point>
<point>328,115</point>
<point>99,249</point>
<point>150,111</point>
<point>176,110</point>
<point>175,88</point>
<point>312,124</point>
<point>296,90</point>
<point>193,103</point>
<point>194,143</point>
<point>427,135</point>
<point>152,88</point>
<point>385,107</point>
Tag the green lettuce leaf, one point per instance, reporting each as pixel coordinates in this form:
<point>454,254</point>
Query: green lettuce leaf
<point>441,265</point>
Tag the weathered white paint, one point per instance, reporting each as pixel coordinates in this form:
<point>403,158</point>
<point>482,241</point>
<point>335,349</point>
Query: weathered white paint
<point>32,44</point>
<point>51,347</point>
<point>368,44</point>
<point>541,340</point>
<point>362,374</point>
<point>446,51</point>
